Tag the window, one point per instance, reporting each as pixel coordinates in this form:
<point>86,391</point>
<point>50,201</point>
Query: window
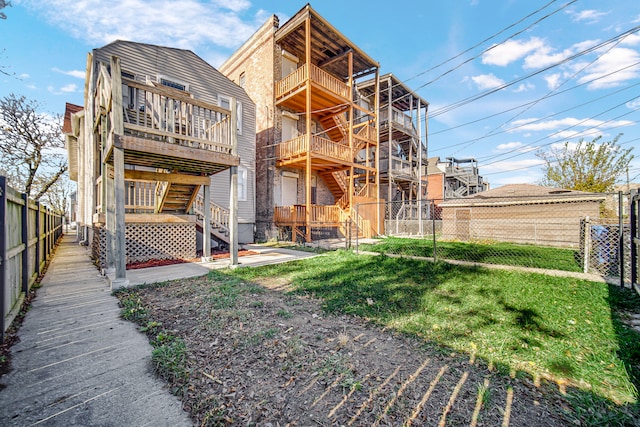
<point>242,183</point>
<point>243,79</point>
<point>225,102</point>
<point>173,83</point>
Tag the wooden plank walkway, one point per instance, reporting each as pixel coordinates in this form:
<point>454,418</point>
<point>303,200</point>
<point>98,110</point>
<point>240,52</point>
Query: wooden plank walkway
<point>77,362</point>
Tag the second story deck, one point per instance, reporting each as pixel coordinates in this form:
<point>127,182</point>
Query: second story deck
<point>162,128</point>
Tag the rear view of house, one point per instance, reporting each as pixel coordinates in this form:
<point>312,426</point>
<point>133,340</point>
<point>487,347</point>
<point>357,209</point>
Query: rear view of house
<point>163,137</point>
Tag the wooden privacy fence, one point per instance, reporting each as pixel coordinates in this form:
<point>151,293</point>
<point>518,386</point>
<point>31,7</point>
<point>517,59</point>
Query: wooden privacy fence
<point>29,234</point>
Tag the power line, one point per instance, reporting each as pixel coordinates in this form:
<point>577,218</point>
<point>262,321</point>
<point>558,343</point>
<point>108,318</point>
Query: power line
<point>548,94</point>
<point>532,102</point>
<point>481,95</point>
<point>483,41</point>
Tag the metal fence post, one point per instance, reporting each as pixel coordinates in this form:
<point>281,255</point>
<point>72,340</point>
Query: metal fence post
<point>433,228</point>
<point>633,211</point>
<point>621,239</point>
<point>587,244</point>
<point>3,253</point>
<point>25,241</point>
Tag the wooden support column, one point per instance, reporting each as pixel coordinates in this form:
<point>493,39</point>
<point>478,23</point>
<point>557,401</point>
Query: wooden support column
<point>110,219</point>
<point>351,111</point>
<point>307,176</point>
<point>419,195</point>
<point>376,112</point>
<point>120,247</point>
<point>206,224</point>
<point>233,194</point>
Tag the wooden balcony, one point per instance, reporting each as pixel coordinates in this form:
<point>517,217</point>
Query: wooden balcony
<point>328,90</point>
<point>166,129</point>
<point>321,215</point>
<point>325,154</point>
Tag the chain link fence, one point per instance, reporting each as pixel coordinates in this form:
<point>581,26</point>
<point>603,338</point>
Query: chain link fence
<point>582,232</point>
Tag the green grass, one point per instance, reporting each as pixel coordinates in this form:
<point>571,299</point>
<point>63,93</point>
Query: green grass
<point>562,329</point>
<point>490,253</point>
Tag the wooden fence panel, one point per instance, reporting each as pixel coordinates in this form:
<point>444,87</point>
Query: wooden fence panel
<point>28,237</point>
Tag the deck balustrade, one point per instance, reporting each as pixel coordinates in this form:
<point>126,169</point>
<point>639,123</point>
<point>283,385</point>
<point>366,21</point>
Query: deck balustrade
<point>296,80</point>
<point>299,146</point>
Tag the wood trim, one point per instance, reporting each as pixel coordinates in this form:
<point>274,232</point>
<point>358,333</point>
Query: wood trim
<point>175,178</point>
<point>130,143</point>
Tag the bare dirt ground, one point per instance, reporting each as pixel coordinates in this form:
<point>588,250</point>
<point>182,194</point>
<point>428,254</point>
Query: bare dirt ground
<point>259,356</point>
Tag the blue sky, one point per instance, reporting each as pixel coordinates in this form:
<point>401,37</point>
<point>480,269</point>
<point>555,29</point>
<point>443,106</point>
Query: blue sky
<point>562,68</point>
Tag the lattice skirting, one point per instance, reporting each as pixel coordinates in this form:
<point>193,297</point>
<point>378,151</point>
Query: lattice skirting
<point>150,241</point>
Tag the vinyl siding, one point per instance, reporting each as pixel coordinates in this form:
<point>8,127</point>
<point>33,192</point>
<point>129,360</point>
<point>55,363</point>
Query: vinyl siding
<point>205,83</point>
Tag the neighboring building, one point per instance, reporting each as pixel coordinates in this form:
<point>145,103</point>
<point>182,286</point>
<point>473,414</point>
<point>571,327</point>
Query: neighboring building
<point>317,143</point>
<point>521,213</point>
<point>454,178</point>
<point>160,126</point>
<point>403,151</point>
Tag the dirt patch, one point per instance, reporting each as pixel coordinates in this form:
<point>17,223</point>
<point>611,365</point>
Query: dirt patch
<point>258,356</point>
<point>160,262</point>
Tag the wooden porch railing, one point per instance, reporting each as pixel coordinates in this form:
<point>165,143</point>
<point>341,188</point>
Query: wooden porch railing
<point>403,168</point>
<point>288,215</point>
<point>140,196</point>
<point>322,215</point>
<point>399,118</point>
<point>321,146</point>
<point>219,215</point>
<point>164,114</point>
<point>296,79</point>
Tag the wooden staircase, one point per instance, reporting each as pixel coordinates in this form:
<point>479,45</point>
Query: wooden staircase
<point>177,198</point>
<point>219,218</point>
<point>335,126</point>
<point>336,182</point>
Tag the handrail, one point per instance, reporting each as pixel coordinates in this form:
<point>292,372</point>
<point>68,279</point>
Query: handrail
<point>320,146</point>
<point>317,75</point>
<point>219,215</point>
<point>176,118</point>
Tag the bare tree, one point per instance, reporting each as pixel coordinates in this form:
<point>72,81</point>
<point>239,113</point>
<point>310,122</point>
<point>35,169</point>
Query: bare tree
<point>3,4</point>
<point>31,146</point>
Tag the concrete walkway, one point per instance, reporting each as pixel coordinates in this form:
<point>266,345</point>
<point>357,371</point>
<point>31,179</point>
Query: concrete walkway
<point>77,362</point>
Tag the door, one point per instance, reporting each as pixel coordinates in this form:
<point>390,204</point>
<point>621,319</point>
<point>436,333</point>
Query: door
<point>289,191</point>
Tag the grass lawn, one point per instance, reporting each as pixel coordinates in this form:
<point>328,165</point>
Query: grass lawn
<point>490,253</point>
<point>561,329</point>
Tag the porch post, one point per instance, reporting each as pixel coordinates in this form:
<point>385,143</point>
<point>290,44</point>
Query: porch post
<point>307,175</point>
<point>110,219</point>
<point>233,194</point>
<point>206,224</point>
<point>117,112</point>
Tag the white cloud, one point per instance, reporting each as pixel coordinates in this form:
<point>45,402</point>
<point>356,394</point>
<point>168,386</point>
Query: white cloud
<point>24,76</point>
<point>487,81</point>
<point>509,146</point>
<point>550,125</point>
<point>631,40</point>
<point>180,23</point>
<point>616,59</point>
<point>524,87</point>
<point>79,74</point>
<point>633,105</point>
<point>510,165</point>
<point>505,53</point>
<point>590,16</point>
<point>553,80</point>
<point>69,88</point>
